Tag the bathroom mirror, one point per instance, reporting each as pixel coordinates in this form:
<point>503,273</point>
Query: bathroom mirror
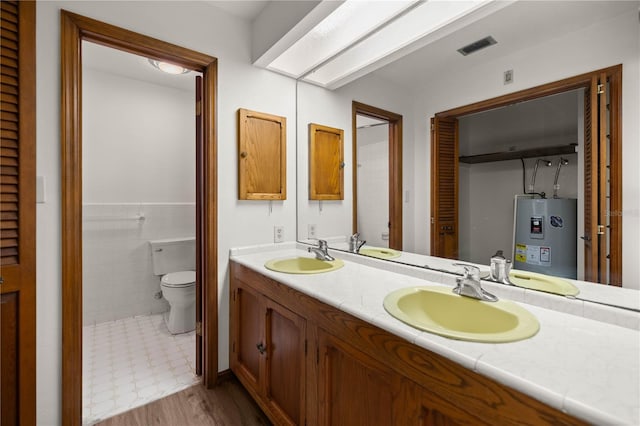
<point>556,42</point>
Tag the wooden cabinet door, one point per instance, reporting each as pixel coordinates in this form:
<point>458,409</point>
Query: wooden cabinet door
<point>268,349</point>
<point>284,379</point>
<point>417,406</point>
<point>353,388</point>
<point>326,163</point>
<point>262,159</point>
<point>247,336</point>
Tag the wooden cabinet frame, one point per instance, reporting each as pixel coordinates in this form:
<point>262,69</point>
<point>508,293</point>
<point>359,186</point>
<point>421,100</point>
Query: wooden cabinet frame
<point>326,163</point>
<point>262,156</point>
<point>427,388</point>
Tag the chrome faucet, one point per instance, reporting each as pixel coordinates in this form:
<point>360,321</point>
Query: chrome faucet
<point>469,284</point>
<point>500,268</point>
<point>355,243</point>
<point>322,251</point>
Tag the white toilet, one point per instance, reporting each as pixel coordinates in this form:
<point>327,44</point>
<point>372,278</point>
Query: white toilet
<point>175,260</point>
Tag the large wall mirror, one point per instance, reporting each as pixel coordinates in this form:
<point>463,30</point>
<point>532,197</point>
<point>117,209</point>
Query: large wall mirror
<point>528,102</point>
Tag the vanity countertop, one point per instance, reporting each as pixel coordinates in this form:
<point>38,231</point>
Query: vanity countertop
<point>586,368</point>
<point>626,298</point>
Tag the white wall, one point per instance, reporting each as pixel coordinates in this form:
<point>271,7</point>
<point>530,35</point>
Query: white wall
<point>198,26</point>
<point>611,42</point>
<point>333,108</point>
<point>138,159</point>
<point>138,141</point>
<point>373,185</point>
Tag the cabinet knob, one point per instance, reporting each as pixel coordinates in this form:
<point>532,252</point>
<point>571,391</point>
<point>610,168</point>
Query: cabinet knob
<point>243,154</point>
<point>261,348</point>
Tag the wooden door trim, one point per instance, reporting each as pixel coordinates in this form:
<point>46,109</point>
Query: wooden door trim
<point>614,73</point>
<point>75,29</point>
<point>395,168</point>
<point>560,86</point>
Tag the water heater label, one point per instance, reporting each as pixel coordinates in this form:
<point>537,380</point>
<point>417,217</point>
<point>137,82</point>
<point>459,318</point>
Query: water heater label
<point>533,255</point>
<point>536,231</point>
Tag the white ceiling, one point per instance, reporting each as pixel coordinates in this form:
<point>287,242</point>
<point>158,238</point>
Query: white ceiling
<point>97,57</point>
<point>519,25</point>
<point>246,9</point>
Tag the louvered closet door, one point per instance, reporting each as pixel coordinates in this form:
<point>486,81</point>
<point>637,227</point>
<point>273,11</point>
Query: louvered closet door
<point>17,213</point>
<point>444,187</point>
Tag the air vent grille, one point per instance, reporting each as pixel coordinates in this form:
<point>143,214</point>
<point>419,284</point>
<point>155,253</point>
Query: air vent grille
<point>477,45</point>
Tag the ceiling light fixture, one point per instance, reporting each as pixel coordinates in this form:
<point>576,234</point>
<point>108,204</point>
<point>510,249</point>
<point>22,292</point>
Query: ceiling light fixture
<point>169,68</point>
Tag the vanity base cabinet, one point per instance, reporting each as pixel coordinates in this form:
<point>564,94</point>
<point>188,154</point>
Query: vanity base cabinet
<point>268,354</point>
<point>326,367</point>
<point>353,388</point>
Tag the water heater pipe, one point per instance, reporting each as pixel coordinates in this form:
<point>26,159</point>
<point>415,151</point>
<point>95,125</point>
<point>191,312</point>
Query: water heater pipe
<point>562,162</point>
<point>535,171</point>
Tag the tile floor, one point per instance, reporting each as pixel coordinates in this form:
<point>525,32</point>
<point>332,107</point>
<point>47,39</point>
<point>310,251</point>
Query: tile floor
<point>131,362</point>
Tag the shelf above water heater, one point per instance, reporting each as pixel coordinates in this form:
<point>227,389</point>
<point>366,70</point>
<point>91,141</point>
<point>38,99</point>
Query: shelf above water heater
<point>523,153</point>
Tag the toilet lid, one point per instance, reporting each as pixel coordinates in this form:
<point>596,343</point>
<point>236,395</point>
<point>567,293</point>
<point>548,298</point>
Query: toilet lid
<point>179,279</point>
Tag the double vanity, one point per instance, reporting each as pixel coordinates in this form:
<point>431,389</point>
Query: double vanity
<point>357,340</point>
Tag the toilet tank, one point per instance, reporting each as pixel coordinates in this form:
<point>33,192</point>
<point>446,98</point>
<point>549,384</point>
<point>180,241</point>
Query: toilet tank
<point>173,255</point>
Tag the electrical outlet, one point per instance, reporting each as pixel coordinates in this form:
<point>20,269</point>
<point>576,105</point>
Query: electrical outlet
<point>278,234</point>
<point>311,231</point>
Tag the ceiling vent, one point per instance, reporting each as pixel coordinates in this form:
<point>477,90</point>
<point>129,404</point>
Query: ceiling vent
<point>477,45</point>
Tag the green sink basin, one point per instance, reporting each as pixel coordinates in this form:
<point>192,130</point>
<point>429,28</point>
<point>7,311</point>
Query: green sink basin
<point>303,265</point>
<point>379,252</point>
<point>439,311</point>
<point>541,282</point>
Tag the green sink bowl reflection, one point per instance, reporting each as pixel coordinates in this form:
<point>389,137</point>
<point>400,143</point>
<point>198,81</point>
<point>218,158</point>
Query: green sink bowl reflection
<point>541,282</point>
<point>303,265</point>
<point>438,310</point>
<point>379,252</point>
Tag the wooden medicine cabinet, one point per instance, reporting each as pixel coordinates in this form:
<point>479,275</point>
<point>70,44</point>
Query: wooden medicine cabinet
<point>262,156</point>
<point>326,163</point>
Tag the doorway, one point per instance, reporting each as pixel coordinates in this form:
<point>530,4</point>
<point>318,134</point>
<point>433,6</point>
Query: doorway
<point>138,184</point>
<point>602,233</point>
<point>393,122</point>
<point>74,30</point>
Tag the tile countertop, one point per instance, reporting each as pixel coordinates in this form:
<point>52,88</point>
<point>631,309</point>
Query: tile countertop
<point>586,368</point>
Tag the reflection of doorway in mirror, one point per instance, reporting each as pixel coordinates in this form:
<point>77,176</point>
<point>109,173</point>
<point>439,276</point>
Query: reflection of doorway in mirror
<point>599,181</point>
<point>373,180</point>
<point>487,189</point>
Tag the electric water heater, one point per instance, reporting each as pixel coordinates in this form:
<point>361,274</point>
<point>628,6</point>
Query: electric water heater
<point>546,236</point>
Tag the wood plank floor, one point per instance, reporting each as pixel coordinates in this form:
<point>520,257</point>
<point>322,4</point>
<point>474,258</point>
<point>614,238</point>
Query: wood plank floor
<point>227,404</point>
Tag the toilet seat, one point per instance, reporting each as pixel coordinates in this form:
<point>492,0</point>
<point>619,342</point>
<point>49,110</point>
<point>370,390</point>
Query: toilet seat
<point>179,279</point>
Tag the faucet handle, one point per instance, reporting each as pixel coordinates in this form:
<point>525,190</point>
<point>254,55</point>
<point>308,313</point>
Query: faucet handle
<point>470,271</point>
<point>322,244</point>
